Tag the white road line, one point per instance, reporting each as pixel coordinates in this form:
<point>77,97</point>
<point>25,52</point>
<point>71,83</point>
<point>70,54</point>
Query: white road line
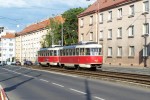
<point>25,75</point>
<point>77,91</point>
<point>58,84</point>
<point>98,98</point>
<point>44,80</point>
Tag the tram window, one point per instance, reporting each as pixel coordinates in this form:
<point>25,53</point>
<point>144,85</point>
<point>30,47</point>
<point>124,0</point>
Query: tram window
<point>52,53</point>
<point>61,52</point>
<point>87,51</point>
<point>49,53</point>
<point>64,52</point>
<point>77,51</point>
<point>100,52</point>
<point>81,51</point>
<point>94,51</point>
<point>42,53</point>
<point>70,52</point>
<point>55,53</point>
<point>73,52</point>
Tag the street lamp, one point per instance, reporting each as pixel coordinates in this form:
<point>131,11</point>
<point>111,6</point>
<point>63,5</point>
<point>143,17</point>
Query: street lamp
<point>145,35</point>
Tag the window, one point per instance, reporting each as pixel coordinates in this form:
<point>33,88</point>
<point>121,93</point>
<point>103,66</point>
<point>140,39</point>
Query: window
<point>101,18</point>
<point>77,51</point>
<point>91,36</point>
<point>91,20</point>
<point>146,6</point>
<point>131,31</point>
<point>119,52</point>
<point>146,28</point>
<point>109,15</point>
<point>10,44</point>
<point>131,51</point>
<point>119,33</point>
<point>131,10</point>
<point>10,49</point>
<point>109,51</point>
<point>82,22</point>
<point>81,51</point>
<point>119,13</point>
<point>87,51</point>
<point>82,36</point>
<point>145,48</point>
<point>110,34</point>
<point>101,35</point>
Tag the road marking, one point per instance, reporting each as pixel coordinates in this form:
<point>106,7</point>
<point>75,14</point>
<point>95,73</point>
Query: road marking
<point>58,84</point>
<point>77,91</point>
<point>44,80</point>
<point>98,98</point>
<point>26,75</point>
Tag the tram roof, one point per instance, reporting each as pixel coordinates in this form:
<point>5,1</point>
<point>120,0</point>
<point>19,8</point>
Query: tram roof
<point>83,46</point>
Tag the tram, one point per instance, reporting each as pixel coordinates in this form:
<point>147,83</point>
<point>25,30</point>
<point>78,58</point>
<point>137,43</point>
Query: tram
<point>87,55</point>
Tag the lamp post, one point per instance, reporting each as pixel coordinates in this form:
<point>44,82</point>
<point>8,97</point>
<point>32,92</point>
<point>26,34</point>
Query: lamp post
<point>62,35</point>
<point>145,35</point>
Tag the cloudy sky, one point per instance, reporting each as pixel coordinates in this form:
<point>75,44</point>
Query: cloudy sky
<point>16,14</point>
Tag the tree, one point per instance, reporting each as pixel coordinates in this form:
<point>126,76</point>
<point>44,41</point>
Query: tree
<point>71,25</point>
<point>53,35</point>
<point>70,29</point>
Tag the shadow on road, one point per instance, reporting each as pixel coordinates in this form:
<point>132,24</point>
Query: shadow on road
<point>15,76</point>
<point>87,90</point>
<point>8,89</point>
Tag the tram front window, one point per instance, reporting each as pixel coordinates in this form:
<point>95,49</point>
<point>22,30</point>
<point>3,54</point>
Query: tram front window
<point>95,51</point>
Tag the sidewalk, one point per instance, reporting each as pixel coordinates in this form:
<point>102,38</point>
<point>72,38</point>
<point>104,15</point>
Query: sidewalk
<point>125,69</point>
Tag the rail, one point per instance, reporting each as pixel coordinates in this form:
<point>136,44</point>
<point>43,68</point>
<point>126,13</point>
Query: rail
<point>119,76</point>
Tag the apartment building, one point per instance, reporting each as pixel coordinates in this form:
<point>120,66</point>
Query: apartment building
<point>28,41</point>
<point>7,48</point>
<point>122,27</point>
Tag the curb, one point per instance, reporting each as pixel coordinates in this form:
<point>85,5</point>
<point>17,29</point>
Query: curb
<point>2,94</point>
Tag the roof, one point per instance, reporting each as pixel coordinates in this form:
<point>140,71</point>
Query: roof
<point>38,26</point>
<point>101,5</point>
<point>8,35</point>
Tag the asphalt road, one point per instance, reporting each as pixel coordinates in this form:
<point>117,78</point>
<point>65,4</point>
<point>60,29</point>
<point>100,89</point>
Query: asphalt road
<point>27,84</point>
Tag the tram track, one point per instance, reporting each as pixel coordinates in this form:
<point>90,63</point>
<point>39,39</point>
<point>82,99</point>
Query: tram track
<point>139,79</point>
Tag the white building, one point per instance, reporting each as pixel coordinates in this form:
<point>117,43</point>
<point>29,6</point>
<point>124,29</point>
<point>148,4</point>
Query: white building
<point>28,41</point>
<point>7,48</point>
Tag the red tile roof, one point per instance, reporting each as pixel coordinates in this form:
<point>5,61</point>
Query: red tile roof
<point>8,35</point>
<point>39,25</point>
<point>101,5</point>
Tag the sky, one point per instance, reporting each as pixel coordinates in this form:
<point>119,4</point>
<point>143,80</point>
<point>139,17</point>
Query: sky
<point>17,14</point>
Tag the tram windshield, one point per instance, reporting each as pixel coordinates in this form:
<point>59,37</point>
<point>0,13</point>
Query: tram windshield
<point>95,51</point>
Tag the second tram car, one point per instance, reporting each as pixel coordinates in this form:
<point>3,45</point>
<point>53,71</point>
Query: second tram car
<point>88,55</point>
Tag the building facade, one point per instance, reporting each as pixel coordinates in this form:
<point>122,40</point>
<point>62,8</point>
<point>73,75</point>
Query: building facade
<point>122,27</point>
<point>28,41</point>
<point>7,48</point>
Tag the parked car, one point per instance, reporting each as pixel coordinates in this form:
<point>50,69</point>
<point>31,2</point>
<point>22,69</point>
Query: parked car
<point>13,63</point>
<point>28,63</point>
<point>1,64</point>
<point>18,63</point>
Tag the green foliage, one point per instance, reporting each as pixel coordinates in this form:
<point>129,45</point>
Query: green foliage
<point>71,25</point>
<point>70,29</point>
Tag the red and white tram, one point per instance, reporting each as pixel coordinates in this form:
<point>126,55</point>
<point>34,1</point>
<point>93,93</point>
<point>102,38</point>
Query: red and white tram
<point>82,55</point>
<point>48,56</point>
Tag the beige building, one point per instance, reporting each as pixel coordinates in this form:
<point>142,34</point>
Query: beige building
<point>28,41</point>
<point>122,27</point>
